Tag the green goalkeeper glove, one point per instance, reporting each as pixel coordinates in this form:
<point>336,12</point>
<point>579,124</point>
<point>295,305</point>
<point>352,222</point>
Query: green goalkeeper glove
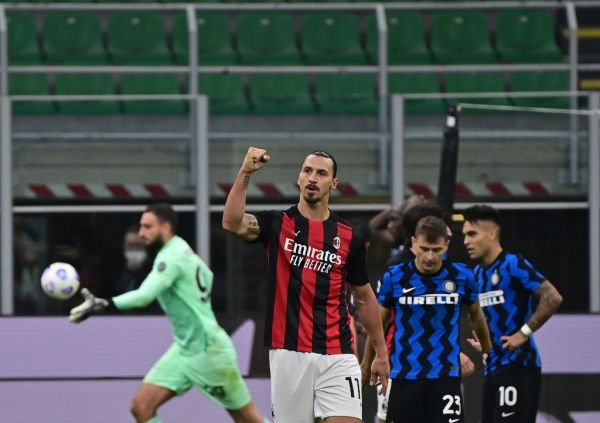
<point>91,305</point>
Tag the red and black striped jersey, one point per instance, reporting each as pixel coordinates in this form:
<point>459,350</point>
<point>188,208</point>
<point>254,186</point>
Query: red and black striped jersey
<point>311,264</point>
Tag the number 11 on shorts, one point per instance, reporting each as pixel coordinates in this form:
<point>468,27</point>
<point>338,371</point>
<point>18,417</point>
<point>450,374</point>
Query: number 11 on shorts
<point>351,384</point>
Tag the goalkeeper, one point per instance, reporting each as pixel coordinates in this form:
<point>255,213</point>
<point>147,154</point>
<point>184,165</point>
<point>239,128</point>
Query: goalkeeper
<point>202,353</point>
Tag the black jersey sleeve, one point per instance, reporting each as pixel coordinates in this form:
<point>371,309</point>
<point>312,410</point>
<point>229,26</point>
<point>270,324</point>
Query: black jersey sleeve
<point>265,223</point>
<point>356,264</point>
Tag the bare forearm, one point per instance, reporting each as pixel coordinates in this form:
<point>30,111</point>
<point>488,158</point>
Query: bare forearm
<point>235,206</point>
<point>368,311</point>
<point>549,301</point>
<point>480,327</point>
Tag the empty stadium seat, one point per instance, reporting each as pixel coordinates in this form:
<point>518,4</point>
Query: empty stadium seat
<point>331,38</point>
<point>526,36</point>
<point>461,37</point>
<point>86,84</point>
<point>417,83</point>
<point>73,38</point>
<point>541,81</point>
<point>22,39</point>
<point>151,84</point>
<point>406,38</point>
<point>29,84</point>
<point>351,94</point>
<point>214,39</point>
<point>281,94</point>
<point>225,92</point>
<point>267,38</point>
<point>137,38</point>
<point>473,82</point>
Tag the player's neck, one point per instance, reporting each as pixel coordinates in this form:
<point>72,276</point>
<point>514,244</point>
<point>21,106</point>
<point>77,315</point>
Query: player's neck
<point>491,255</point>
<point>167,238</point>
<point>317,211</point>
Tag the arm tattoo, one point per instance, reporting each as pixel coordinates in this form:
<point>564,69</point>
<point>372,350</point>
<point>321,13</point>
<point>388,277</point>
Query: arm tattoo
<point>550,299</point>
<point>253,228</point>
<point>246,181</point>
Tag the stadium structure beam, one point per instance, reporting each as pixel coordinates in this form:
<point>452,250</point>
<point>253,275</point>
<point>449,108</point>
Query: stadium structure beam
<point>6,203</point>
<point>193,48</point>
<point>202,178</point>
<point>573,85</point>
<point>594,202</point>
<point>397,150</point>
<point>3,53</point>
<point>384,141</point>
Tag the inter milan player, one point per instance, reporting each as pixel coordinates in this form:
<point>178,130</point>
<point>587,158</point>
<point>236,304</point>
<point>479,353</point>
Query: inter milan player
<point>314,258</point>
<point>412,213</point>
<point>508,284</point>
<point>426,295</point>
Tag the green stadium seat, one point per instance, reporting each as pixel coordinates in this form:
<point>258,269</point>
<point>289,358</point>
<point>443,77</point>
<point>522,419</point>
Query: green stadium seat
<point>281,94</point>
<point>541,81</point>
<point>29,84</point>
<point>214,39</point>
<point>73,38</point>
<point>526,36</point>
<point>461,37</point>
<point>406,39</point>
<point>473,82</point>
<point>331,38</point>
<point>417,83</point>
<point>348,94</point>
<point>22,39</point>
<point>86,84</point>
<point>151,84</point>
<point>137,38</point>
<point>225,92</point>
<point>267,38</point>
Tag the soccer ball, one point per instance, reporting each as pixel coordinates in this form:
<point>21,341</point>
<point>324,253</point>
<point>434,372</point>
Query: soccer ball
<point>60,281</point>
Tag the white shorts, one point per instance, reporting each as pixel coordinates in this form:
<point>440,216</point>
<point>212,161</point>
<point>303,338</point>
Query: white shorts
<point>382,402</point>
<point>302,383</point>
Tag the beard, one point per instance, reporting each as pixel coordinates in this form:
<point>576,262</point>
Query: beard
<point>155,246</point>
<point>312,197</point>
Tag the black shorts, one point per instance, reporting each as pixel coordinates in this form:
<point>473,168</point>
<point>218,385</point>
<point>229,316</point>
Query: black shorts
<point>425,401</point>
<point>511,395</point>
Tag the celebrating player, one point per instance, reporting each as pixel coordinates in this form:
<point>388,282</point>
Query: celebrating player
<point>313,256</point>
<point>202,353</point>
<point>425,295</point>
<point>508,284</point>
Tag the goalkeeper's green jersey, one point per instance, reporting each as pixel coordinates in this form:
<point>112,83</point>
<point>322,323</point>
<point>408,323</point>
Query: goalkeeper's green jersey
<point>182,283</point>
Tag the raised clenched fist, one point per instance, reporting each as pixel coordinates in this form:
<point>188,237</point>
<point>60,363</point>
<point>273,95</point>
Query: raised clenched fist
<point>255,159</point>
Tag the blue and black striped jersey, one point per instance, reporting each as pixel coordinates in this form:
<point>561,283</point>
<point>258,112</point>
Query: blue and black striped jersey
<point>507,288</point>
<point>427,318</point>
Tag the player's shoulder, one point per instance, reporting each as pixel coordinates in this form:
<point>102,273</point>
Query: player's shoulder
<point>509,259</point>
<point>399,269</point>
<point>344,224</point>
<point>175,249</point>
<point>460,269</point>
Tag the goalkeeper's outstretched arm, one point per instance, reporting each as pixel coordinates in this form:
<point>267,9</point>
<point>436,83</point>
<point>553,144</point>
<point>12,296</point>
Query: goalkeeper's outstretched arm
<point>91,305</point>
<point>156,282</point>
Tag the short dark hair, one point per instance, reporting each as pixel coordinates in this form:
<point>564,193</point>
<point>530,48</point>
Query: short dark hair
<point>164,212</point>
<point>413,215</point>
<point>482,212</point>
<point>432,228</point>
<point>321,153</point>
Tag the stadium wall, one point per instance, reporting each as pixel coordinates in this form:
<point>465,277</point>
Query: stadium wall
<point>52,371</point>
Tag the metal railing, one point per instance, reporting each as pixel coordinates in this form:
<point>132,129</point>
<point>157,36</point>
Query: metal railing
<point>382,69</point>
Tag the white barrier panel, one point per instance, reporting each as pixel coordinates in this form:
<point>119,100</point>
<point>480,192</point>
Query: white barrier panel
<point>103,346</point>
<point>108,401</point>
<point>569,344</point>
